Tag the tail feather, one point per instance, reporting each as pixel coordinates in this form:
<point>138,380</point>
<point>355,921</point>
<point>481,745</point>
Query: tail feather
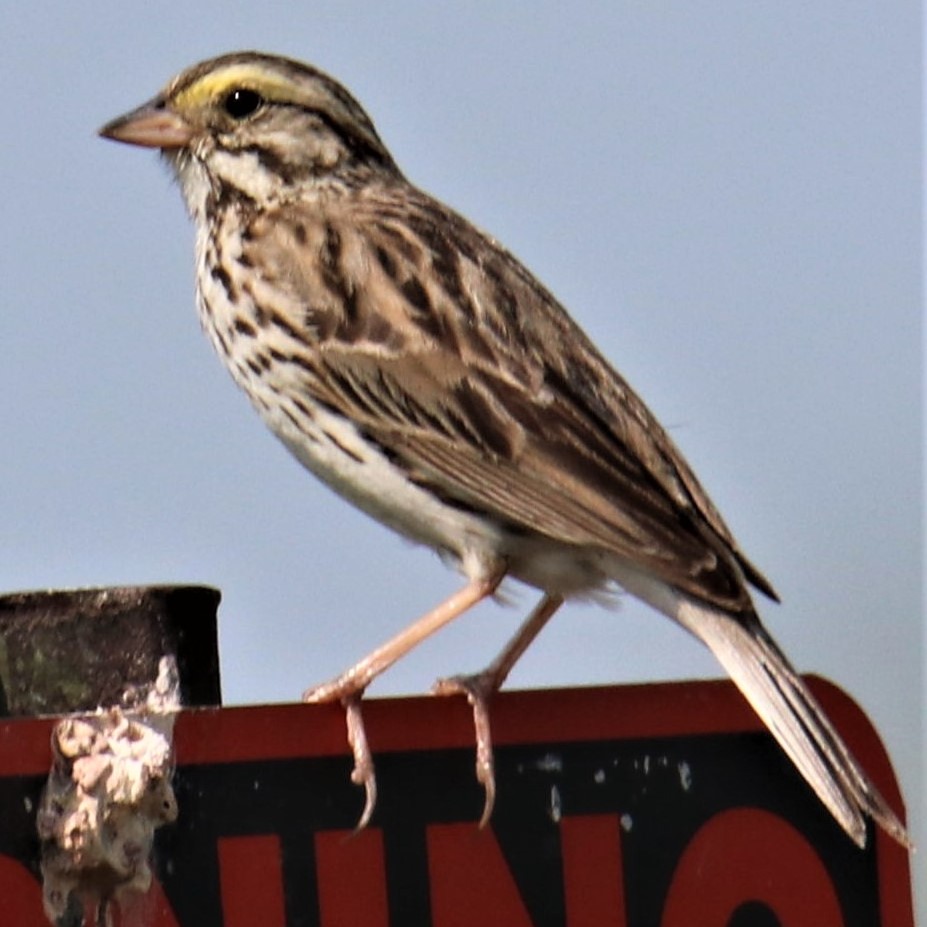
<point>782,700</point>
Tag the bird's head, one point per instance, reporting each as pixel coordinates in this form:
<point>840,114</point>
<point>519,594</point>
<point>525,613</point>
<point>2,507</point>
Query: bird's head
<point>258,126</point>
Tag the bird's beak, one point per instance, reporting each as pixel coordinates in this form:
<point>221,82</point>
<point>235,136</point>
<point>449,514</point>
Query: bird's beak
<point>152,125</point>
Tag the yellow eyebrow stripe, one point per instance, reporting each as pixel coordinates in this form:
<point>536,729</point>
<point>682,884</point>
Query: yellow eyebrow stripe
<point>211,86</point>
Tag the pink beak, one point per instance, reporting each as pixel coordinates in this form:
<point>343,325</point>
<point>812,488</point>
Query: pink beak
<point>152,125</point>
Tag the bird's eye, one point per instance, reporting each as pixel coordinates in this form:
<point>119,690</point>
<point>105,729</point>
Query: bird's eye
<point>241,102</point>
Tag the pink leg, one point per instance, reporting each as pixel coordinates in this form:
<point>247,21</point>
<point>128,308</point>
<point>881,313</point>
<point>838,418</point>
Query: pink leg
<point>481,687</point>
<point>348,688</point>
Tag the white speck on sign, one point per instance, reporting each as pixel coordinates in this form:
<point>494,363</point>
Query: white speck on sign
<point>556,808</point>
<point>550,763</point>
<point>685,775</point>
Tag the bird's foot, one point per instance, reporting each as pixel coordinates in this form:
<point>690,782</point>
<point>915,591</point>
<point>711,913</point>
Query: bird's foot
<point>335,690</point>
<point>479,689</point>
<point>363,773</point>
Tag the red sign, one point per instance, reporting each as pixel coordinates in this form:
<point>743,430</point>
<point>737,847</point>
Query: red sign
<point>644,805</point>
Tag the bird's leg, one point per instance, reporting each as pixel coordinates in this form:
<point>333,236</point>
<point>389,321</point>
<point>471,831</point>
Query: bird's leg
<point>348,688</point>
<point>479,689</point>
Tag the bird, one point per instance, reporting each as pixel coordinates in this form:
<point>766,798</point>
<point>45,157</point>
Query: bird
<point>413,364</point>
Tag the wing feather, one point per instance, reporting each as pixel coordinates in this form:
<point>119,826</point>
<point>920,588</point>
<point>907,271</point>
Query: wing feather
<point>486,391</point>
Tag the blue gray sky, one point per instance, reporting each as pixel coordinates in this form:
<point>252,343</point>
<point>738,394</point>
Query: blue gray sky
<point>726,196</point>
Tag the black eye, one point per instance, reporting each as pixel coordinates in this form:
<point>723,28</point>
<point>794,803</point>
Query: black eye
<point>241,102</point>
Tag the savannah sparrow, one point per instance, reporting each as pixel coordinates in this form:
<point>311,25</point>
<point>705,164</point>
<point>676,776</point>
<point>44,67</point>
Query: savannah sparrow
<point>414,365</point>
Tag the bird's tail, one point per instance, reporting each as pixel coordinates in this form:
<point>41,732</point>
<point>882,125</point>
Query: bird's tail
<point>784,703</point>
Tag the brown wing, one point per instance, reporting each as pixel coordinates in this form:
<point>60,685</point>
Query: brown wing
<point>455,360</point>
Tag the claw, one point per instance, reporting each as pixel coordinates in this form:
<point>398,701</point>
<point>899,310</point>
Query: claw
<point>363,773</point>
<point>479,689</point>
